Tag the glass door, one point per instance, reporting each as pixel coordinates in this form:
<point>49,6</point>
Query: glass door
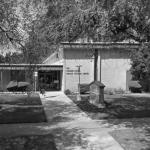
<point>50,81</point>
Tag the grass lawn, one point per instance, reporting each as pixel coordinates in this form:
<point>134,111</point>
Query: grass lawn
<point>118,106</point>
<point>28,142</point>
<point>19,108</point>
<point>20,99</point>
<point>127,117</point>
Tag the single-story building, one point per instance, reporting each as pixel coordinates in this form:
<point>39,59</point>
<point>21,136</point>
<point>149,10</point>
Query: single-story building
<point>74,63</point>
<point>43,76</point>
<point>113,64</point>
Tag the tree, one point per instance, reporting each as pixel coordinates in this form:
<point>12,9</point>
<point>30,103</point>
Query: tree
<point>17,19</point>
<point>140,65</point>
<point>73,20</point>
<point>70,20</point>
<point>131,20</point>
<point>8,22</point>
<point>30,15</point>
<point>36,48</point>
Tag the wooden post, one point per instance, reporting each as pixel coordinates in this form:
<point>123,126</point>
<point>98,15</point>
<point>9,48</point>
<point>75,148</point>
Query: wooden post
<point>100,69</point>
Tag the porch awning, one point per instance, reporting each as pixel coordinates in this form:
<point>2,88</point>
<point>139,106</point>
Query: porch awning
<point>27,66</point>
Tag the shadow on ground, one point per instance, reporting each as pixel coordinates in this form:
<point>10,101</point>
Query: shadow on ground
<point>117,106</point>
<point>28,142</point>
<point>60,111</point>
<point>21,108</point>
<point>132,134</point>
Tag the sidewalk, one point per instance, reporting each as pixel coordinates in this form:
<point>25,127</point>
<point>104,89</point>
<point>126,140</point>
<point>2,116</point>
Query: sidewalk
<point>72,128</point>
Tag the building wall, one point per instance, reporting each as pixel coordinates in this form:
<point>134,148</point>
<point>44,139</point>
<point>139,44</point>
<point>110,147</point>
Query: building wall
<point>114,66</point>
<point>72,58</point>
<point>55,57</point>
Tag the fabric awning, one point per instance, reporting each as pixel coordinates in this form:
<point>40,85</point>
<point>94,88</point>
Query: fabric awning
<point>27,66</point>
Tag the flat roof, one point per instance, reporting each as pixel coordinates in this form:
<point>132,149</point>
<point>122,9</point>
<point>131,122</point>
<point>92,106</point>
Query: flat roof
<point>24,66</point>
<point>100,45</point>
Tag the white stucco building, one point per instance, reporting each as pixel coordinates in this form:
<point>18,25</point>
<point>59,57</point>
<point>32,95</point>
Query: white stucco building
<point>60,72</point>
<point>112,66</point>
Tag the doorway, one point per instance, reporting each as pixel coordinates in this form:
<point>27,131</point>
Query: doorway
<point>49,80</point>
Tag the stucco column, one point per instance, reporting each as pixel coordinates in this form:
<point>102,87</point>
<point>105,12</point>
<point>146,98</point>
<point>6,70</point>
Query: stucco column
<point>95,64</point>
<point>99,72</point>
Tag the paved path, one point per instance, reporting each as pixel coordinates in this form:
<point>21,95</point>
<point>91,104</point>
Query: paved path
<point>72,128</point>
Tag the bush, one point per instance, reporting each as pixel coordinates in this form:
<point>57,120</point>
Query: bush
<point>109,91</point>
<point>119,91</point>
<point>140,61</point>
<point>42,91</point>
<point>112,91</point>
<point>67,92</point>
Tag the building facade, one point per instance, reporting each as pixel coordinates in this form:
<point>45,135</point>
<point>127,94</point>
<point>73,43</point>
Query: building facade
<point>75,63</point>
<point>40,76</point>
<point>113,64</point>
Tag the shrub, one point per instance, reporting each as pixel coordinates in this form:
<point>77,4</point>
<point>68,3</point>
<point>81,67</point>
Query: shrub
<point>119,91</point>
<point>112,91</point>
<point>109,91</point>
<point>140,61</point>
<point>67,92</point>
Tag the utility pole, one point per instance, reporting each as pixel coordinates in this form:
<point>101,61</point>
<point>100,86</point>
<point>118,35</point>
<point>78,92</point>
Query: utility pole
<point>79,72</point>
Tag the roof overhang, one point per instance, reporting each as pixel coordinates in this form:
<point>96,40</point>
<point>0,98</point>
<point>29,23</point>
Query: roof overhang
<point>101,45</point>
<point>27,66</point>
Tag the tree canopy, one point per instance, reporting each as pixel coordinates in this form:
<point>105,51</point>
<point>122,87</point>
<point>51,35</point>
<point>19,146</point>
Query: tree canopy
<point>71,20</point>
<point>8,22</point>
<point>130,19</point>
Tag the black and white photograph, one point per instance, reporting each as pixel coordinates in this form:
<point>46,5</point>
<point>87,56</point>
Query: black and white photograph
<point>74,74</point>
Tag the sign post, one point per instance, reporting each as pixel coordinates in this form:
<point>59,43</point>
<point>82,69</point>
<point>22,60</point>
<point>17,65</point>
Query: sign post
<point>35,80</point>
<point>79,72</point>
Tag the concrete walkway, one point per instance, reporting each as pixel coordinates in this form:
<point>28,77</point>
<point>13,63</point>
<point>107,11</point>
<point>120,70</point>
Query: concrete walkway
<point>72,128</point>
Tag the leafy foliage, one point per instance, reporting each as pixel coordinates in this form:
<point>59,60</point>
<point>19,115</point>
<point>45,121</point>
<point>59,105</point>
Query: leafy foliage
<point>130,20</point>
<point>8,22</point>
<point>36,48</point>
<point>141,65</point>
<point>14,58</point>
<point>73,20</point>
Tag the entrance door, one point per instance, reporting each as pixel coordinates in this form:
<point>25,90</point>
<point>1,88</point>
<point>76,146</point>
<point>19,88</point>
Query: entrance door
<point>50,81</point>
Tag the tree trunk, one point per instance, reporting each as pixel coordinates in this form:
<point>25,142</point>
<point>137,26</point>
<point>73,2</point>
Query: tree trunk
<point>95,64</point>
